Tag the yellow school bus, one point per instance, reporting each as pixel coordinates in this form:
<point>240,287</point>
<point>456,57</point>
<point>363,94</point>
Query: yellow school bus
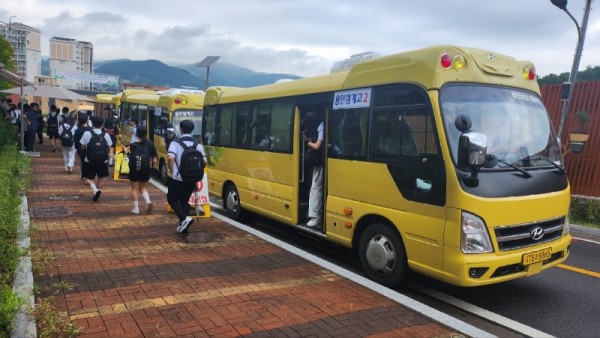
<point>139,104</point>
<point>104,101</point>
<point>440,160</point>
<point>172,107</point>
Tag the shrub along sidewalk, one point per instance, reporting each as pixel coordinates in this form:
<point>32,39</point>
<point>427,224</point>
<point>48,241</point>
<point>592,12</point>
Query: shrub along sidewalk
<point>14,174</point>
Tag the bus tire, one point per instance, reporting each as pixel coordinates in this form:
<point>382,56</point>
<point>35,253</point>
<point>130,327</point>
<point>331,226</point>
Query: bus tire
<point>162,169</point>
<point>232,204</point>
<point>382,255</point>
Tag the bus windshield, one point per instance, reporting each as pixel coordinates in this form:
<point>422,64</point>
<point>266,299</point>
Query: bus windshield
<point>192,115</point>
<point>515,122</point>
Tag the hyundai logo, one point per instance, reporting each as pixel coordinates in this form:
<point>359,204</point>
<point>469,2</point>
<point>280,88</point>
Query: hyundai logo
<point>537,233</point>
<point>490,56</point>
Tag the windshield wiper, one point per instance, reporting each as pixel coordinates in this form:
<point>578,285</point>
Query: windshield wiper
<point>525,174</point>
<point>562,171</point>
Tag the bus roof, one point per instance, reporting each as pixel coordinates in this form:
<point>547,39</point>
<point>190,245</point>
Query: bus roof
<point>150,99</point>
<point>105,98</point>
<point>174,101</point>
<point>129,92</point>
<point>422,66</point>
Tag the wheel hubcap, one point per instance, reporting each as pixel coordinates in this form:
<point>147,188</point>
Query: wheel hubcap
<point>232,201</point>
<point>380,254</point>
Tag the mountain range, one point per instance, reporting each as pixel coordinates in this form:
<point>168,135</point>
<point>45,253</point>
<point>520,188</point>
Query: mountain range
<point>157,73</point>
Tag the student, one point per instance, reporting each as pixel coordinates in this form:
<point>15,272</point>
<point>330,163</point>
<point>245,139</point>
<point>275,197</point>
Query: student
<point>179,191</point>
<point>67,131</point>
<point>52,127</point>
<point>95,164</point>
<point>313,136</point>
<point>30,118</point>
<point>82,127</point>
<point>40,125</point>
<point>133,124</point>
<point>111,129</point>
<point>142,158</point>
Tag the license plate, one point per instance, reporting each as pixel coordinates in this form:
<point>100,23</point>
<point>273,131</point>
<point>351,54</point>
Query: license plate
<point>537,256</point>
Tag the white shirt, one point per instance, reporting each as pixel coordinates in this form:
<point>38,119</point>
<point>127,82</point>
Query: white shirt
<point>61,128</point>
<point>175,151</point>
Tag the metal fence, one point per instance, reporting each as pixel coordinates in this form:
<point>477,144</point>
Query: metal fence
<point>582,168</point>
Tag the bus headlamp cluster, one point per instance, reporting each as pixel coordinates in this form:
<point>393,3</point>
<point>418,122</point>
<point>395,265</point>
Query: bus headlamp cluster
<point>474,237</point>
<point>458,62</point>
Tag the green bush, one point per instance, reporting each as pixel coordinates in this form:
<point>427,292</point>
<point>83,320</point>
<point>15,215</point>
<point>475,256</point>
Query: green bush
<point>585,212</point>
<point>13,172</point>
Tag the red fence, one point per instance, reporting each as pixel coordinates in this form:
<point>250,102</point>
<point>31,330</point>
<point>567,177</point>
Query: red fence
<point>583,168</point>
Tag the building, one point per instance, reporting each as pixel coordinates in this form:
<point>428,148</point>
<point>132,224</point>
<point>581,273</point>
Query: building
<point>71,63</point>
<point>26,43</point>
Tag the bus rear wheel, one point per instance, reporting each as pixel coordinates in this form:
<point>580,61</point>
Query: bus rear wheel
<point>382,255</point>
<point>231,203</point>
<point>164,176</point>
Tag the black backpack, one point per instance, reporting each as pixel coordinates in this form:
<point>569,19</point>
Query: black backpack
<point>191,166</point>
<point>139,158</point>
<point>66,137</point>
<point>97,149</point>
<point>52,124</point>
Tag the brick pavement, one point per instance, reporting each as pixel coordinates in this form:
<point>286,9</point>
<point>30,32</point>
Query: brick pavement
<point>116,274</point>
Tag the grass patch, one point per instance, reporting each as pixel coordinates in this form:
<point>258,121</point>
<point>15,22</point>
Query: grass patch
<point>51,322</point>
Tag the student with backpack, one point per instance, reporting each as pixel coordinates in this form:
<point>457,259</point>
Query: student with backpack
<point>66,132</point>
<point>52,127</point>
<point>95,165</point>
<point>186,162</point>
<point>142,157</point>
<point>82,127</point>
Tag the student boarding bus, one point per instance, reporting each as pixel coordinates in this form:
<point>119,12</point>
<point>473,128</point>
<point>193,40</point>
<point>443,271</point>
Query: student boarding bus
<point>172,107</point>
<point>441,160</point>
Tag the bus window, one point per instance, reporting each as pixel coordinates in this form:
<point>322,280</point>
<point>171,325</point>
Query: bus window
<point>210,129</point>
<point>239,126</point>
<point>271,126</point>
<point>348,133</point>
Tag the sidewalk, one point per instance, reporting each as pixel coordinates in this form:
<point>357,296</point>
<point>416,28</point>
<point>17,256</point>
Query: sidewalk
<point>116,274</point>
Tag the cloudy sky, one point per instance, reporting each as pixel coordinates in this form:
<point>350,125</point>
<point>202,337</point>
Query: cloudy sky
<point>305,37</point>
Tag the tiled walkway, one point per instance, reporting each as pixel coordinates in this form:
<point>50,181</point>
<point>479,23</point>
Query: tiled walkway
<point>116,274</point>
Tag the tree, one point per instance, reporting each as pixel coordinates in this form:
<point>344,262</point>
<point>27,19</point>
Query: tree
<point>589,74</point>
<point>6,58</point>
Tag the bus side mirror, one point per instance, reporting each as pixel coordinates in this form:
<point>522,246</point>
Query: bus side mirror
<point>472,154</point>
<point>170,134</point>
<point>472,149</point>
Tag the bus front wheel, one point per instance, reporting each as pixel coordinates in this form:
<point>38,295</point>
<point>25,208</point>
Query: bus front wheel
<point>231,203</point>
<point>382,255</point>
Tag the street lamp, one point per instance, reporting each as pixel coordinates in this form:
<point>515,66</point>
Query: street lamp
<point>207,62</point>
<point>570,85</point>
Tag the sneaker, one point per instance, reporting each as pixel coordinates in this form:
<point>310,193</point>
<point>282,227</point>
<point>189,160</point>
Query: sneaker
<point>184,225</point>
<point>53,150</point>
<point>69,170</point>
<point>135,211</point>
<point>97,195</point>
<point>149,207</point>
<point>314,222</point>
<point>111,162</point>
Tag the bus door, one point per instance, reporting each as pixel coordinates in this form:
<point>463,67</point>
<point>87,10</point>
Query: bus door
<point>312,124</point>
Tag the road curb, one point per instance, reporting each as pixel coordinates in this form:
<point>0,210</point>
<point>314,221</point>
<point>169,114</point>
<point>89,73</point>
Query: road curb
<point>24,323</point>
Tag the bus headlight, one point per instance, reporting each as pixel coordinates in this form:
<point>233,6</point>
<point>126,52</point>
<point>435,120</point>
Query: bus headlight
<point>474,237</point>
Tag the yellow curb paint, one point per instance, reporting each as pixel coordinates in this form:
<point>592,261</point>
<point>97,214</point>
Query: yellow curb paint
<point>192,297</point>
<point>579,270</point>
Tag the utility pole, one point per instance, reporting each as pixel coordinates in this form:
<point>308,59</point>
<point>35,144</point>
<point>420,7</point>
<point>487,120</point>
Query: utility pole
<point>570,85</point>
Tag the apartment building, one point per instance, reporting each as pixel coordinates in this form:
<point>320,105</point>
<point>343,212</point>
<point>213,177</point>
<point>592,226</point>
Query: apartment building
<point>71,62</point>
<point>26,43</point>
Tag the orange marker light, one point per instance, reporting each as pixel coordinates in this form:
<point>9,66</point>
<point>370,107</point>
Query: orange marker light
<point>347,211</point>
<point>348,224</point>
